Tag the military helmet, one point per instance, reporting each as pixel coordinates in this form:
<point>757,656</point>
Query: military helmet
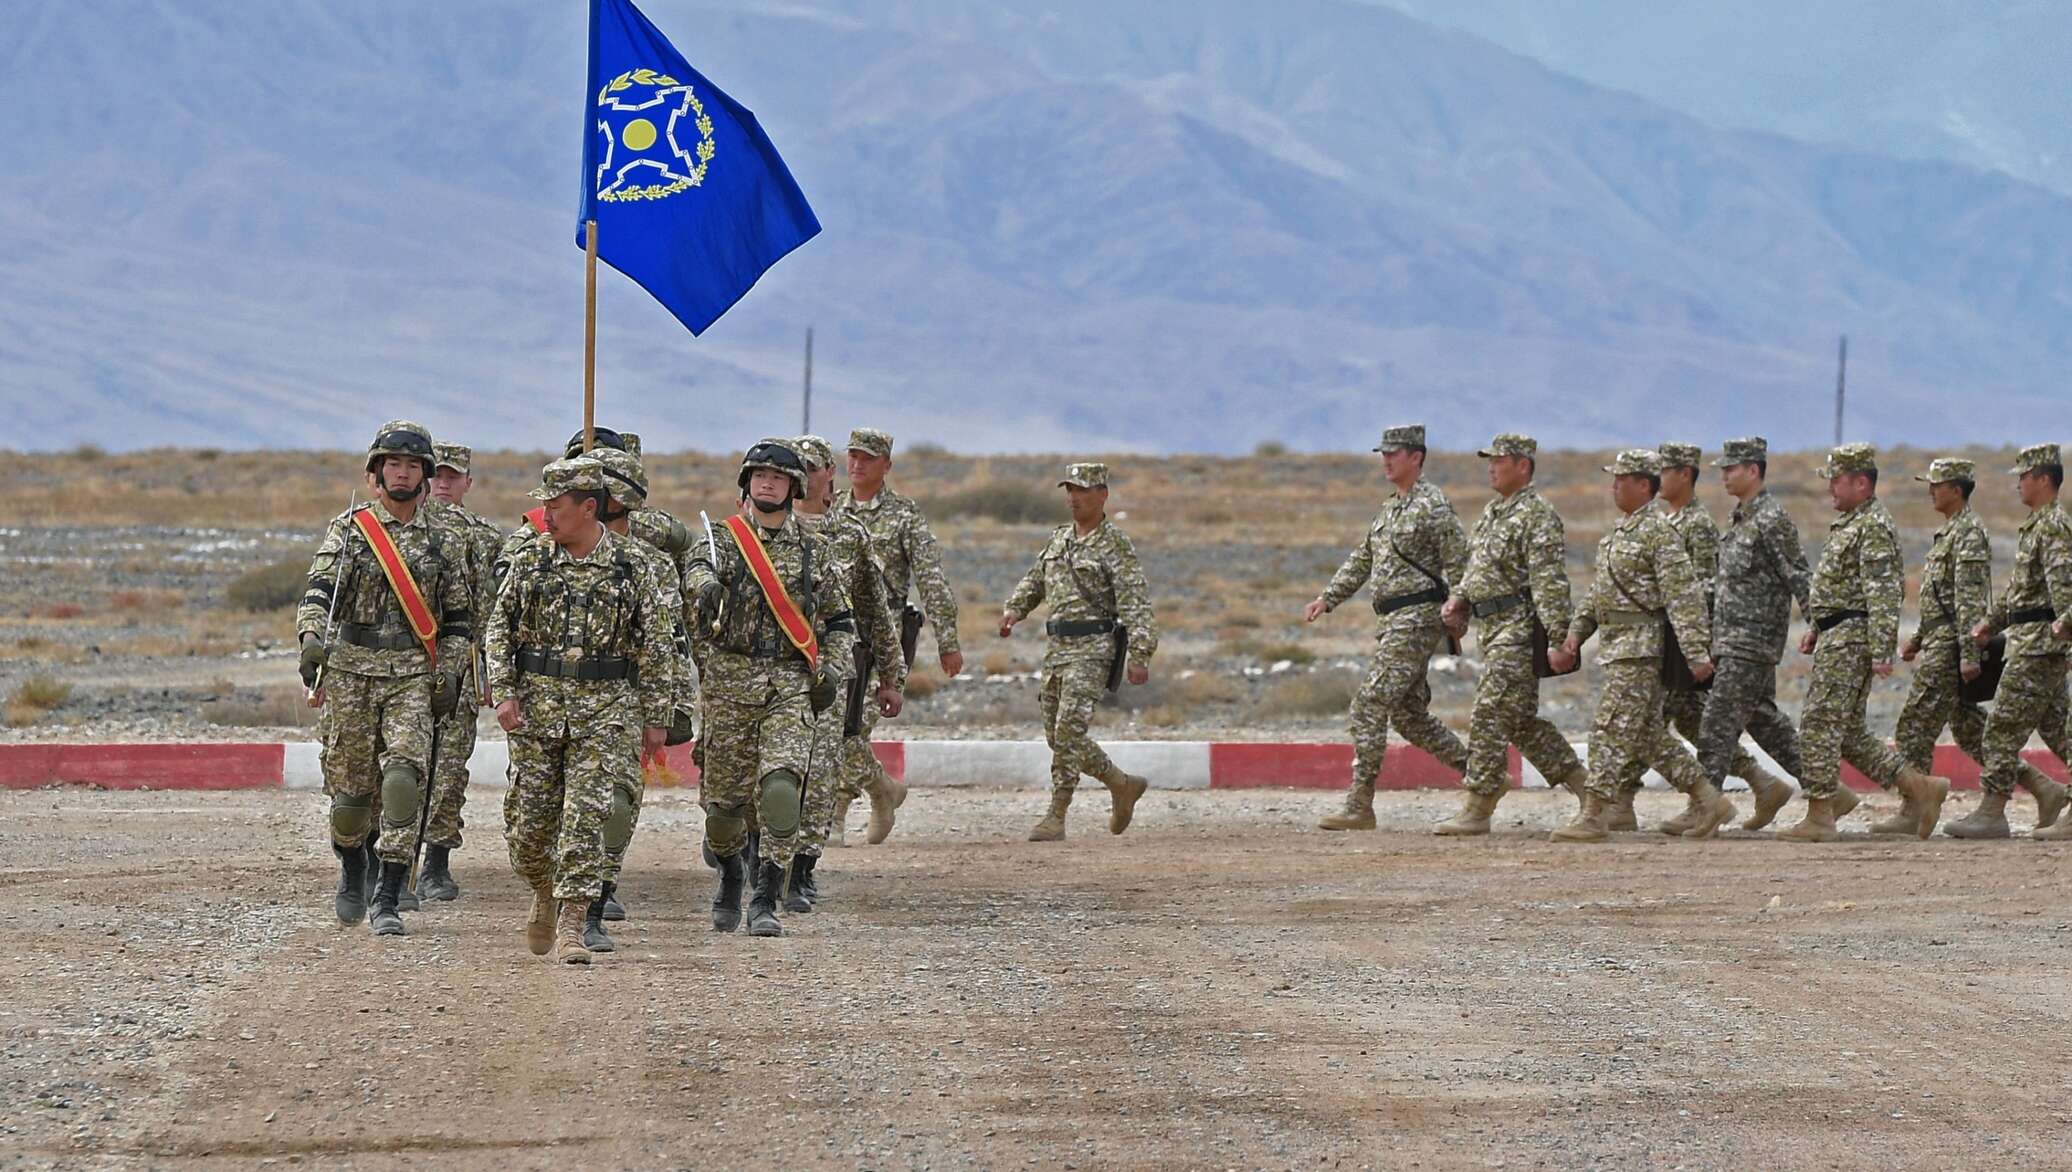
<point>777,455</point>
<point>401,437</point>
<point>605,436</point>
<point>624,478</point>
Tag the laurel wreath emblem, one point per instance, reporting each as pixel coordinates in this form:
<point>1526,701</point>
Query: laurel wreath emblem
<point>703,153</point>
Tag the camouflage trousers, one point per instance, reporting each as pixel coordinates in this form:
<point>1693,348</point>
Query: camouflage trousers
<point>554,811</point>
<point>1397,692</point>
<point>369,724</point>
<point>1629,732</point>
<point>1831,728</point>
<point>1071,689</point>
<point>1507,712</point>
<point>819,803</point>
<point>758,721</point>
<point>861,769</point>
<point>1933,704</point>
<point>1685,712</point>
<point>450,777</point>
<point>1743,698</point>
<point>2031,699</point>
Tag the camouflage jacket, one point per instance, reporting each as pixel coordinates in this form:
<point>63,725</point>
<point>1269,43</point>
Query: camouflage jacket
<point>747,628</point>
<point>2042,576</point>
<point>1860,570</point>
<point>877,624</point>
<point>603,607</point>
<point>437,557</point>
<point>1416,535</point>
<point>906,552</point>
<point>1700,535</point>
<point>482,540</point>
<point>668,602</point>
<point>1762,568</point>
<point>1956,585</point>
<point>1643,575</point>
<point>663,531</point>
<point>1088,578</point>
<point>1518,550</point>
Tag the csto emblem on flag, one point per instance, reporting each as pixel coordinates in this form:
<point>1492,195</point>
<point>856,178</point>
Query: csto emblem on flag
<point>654,138</point>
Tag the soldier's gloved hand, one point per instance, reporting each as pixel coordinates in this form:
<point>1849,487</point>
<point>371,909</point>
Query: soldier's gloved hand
<point>822,694</point>
<point>445,694</point>
<point>710,597</point>
<point>683,726</point>
<point>313,656</point>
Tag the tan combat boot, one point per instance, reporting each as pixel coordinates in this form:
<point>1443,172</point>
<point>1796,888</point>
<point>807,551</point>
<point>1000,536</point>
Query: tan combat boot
<point>1473,818</point>
<point>1684,818</point>
<point>886,796</point>
<point>838,830</point>
<point>1772,793</point>
<point>1988,821</point>
<point>1577,782</point>
<point>2061,831</point>
<point>1622,816</point>
<point>1052,827</point>
<point>1845,800</point>
<point>1907,821</point>
<point>1926,793</point>
<point>2050,796</point>
<point>1714,810</point>
<point>568,933</point>
<point>539,922</point>
<point>1358,813</point>
<point>1123,791</point>
<point>1589,825</point>
<point>1817,826</point>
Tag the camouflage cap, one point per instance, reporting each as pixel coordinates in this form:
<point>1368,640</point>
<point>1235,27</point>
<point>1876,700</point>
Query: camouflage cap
<point>577,474</point>
<point>870,439</point>
<point>1848,459</point>
<point>1635,462</point>
<point>818,452</point>
<point>1406,435</point>
<point>1680,455</point>
<point>2037,456</point>
<point>1510,443</point>
<point>624,478</point>
<point>454,456</point>
<point>1746,450</point>
<point>1085,476</point>
<point>1947,469</point>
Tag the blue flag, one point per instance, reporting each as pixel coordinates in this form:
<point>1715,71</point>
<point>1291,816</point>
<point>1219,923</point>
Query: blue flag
<point>690,198</point>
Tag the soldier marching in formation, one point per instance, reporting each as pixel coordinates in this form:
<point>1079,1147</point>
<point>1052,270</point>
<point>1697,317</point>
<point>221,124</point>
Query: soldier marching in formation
<point>599,614</point>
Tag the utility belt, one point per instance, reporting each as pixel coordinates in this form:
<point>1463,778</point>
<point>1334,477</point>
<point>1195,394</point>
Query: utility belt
<point>1497,605</point>
<point>377,639</point>
<point>2032,614</point>
<point>1388,606</point>
<point>1836,618</point>
<point>532,661</point>
<point>1068,628</point>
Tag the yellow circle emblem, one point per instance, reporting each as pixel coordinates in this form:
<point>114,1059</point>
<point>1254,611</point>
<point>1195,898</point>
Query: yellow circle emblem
<point>639,134</point>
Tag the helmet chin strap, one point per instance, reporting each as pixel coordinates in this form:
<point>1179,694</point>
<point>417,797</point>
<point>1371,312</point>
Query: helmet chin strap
<point>763,506</point>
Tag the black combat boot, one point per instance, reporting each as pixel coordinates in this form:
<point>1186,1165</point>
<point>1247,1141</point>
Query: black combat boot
<point>351,900</point>
<point>614,911</point>
<point>726,909</point>
<point>436,880</point>
<point>372,866</point>
<point>799,897</point>
<point>762,910</point>
<point>594,938</point>
<point>386,920</point>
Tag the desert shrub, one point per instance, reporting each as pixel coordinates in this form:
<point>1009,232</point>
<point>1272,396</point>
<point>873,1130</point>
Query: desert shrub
<point>269,587</point>
<point>1294,653</point>
<point>1002,500</point>
<point>921,682</point>
<point>1270,449</point>
<point>42,692</point>
<point>1322,693</point>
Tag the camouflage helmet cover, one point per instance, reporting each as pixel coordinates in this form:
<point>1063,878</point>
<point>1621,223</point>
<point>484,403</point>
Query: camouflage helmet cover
<point>401,437</point>
<point>777,455</point>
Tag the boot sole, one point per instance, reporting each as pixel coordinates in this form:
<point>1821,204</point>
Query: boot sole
<point>1327,824</point>
<point>582,957</point>
<point>726,923</point>
<point>1460,831</point>
<point>799,905</point>
<point>349,913</point>
<point>1953,831</point>
<point>601,944</point>
<point>389,929</point>
<point>766,930</point>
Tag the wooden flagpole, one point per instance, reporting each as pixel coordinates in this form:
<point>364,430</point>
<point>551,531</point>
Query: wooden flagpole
<point>589,333</point>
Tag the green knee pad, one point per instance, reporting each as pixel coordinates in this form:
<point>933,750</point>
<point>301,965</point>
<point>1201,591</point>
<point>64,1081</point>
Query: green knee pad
<point>779,806</point>
<point>726,829</point>
<point>401,791</point>
<point>350,817</point>
<point>618,825</point>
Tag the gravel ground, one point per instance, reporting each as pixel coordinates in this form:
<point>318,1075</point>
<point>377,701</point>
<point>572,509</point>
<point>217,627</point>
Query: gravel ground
<point>1221,987</point>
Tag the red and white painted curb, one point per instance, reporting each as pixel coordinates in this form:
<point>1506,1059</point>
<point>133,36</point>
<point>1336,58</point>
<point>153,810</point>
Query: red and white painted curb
<point>1015,764</point>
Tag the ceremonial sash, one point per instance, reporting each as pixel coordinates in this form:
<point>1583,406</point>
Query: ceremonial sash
<point>423,623</point>
<point>787,613</point>
<point>537,518</point>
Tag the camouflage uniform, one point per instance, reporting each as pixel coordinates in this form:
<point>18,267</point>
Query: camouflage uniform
<point>1412,553</point>
<point>1091,583</point>
<point>1956,589</point>
<point>1856,595</point>
<point>1762,568</point>
<point>1516,571</point>
<point>480,538</point>
<point>567,641</point>
<point>2032,685</point>
<point>1643,575</point>
<point>906,552</point>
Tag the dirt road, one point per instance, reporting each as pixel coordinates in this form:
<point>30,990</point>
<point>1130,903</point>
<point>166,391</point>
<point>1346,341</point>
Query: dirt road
<point>1222,987</point>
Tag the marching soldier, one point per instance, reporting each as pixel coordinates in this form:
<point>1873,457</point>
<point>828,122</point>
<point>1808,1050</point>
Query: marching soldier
<point>2032,611</point>
<point>578,621</point>
<point>1685,707</point>
<point>480,537</point>
<point>1854,601</point>
<point>1956,590</point>
<point>906,551</point>
<point>877,644</point>
<point>1413,552</point>
<point>1100,608</point>
<point>385,634</point>
<point>779,617</point>
<point>1516,577</point>
<point>1644,577</point>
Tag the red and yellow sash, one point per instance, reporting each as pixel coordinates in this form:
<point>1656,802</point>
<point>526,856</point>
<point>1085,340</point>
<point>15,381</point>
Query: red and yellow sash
<point>422,622</point>
<point>537,518</point>
<point>787,612</point>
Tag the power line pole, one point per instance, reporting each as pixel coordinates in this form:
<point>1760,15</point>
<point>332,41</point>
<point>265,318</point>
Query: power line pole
<point>1841,386</point>
<point>806,412</point>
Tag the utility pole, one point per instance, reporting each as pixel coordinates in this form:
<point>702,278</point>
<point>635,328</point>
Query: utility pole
<point>1841,386</point>
<point>806,412</point>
